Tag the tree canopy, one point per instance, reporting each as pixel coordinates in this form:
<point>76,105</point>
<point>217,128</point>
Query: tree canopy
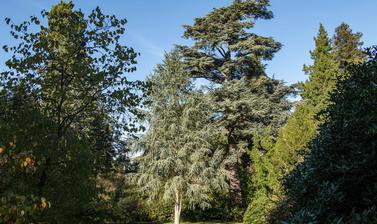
<point>227,53</point>
<point>208,136</point>
<point>224,48</point>
<point>335,183</point>
<point>179,164</point>
<point>72,72</point>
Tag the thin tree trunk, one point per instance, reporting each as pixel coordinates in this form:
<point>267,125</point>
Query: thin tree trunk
<point>177,208</point>
<point>43,178</point>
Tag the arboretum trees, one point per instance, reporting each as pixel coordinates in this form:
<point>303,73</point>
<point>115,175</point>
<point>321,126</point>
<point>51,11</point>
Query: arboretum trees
<point>302,125</point>
<point>70,71</point>
<point>180,165</point>
<point>330,150</point>
<point>242,103</point>
<point>67,106</point>
<point>328,67</point>
<point>246,100</point>
<point>336,182</point>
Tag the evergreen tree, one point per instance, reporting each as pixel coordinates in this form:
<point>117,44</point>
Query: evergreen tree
<point>336,182</point>
<point>347,46</point>
<point>225,52</point>
<point>322,75</point>
<point>179,165</point>
<point>245,108</point>
<point>264,180</point>
<point>302,126</point>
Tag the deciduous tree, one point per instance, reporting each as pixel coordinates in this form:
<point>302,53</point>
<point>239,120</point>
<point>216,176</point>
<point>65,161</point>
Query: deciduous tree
<point>69,67</point>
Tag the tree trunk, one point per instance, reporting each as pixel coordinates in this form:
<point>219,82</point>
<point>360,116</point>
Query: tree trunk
<point>177,208</point>
<point>43,178</point>
<point>235,189</point>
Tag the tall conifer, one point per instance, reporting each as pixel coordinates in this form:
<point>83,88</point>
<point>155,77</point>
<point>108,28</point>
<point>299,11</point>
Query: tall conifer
<point>302,125</point>
<point>179,165</point>
<point>337,181</point>
<point>225,52</point>
<point>330,57</point>
<point>347,46</point>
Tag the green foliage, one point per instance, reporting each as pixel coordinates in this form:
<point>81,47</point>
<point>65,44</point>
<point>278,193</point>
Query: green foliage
<point>21,209</point>
<point>227,53</point>
<point>264,184</point>
<point>301,127</point>
<point>103,141</point>
<point>66,104</point>
<point>220,210</point>
<point>117,201</point>
<point>224,48</point>
<point>178,165</point>
<point>336,182</point>
<point>347,46</point>
<point>65,98</point>
<point>248,106</point>
<point>25,134</point>
<point>71,193</point>
<point>19,159</point>
<point>322,74</point>
<point>158,210</point>
<point>73,64</point>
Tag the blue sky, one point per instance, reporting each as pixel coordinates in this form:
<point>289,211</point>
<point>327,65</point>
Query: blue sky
<point>155,26</point>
